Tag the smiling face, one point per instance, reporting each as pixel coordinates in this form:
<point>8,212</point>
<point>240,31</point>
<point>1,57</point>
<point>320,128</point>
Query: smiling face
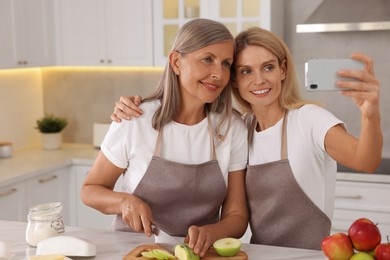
<point>259,77</point>
<point>204,73</point>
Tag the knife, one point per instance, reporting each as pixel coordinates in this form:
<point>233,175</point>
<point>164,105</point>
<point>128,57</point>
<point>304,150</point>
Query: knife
<point>165,240</point>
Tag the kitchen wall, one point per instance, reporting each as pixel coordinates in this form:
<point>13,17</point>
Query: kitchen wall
<point>88,95</point>
<point>306,46</point>
<point>21,104</point>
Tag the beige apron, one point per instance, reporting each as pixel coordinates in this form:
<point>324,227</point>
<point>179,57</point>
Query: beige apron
<point>180,195</point>
<point>281,214</point>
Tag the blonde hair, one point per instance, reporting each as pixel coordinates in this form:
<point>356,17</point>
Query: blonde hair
<point>192,36</point>
<point>290,97</point>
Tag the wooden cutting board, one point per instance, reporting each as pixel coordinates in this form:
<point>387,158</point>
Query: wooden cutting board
<point>135,254</point>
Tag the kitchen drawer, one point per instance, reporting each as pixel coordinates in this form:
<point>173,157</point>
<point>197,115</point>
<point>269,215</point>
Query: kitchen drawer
<point>343,218</point>
<point>12,202</point>
<point>362,196</point>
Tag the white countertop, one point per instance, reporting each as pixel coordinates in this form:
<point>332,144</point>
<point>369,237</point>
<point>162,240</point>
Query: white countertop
<point>113,245</point>
<point>29,162</point>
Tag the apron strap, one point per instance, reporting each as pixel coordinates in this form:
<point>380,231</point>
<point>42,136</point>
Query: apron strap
<point>212,146</point>
<point>283,149</point>
<point>157,151</point>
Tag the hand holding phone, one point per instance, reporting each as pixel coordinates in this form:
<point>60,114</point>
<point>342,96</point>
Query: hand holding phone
<point>321,74</point>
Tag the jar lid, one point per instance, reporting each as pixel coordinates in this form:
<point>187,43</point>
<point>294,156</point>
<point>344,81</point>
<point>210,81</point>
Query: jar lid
<point>45,211</point>
<point>5,143</point>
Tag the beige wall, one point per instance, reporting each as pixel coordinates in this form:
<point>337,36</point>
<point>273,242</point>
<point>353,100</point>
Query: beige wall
<point>20,106</point>
<point>87,95</point>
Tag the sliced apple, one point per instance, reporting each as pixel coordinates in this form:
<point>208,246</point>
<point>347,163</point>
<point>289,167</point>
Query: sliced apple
<point>182,252</point>
<point>227,246</point>
<point>162,254</point>
<point>147,254</point>
<point>185,253</point>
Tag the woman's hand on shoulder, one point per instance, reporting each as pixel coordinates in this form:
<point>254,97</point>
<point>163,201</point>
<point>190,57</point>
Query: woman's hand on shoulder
<point>365,91</point>
<point>126,108</point>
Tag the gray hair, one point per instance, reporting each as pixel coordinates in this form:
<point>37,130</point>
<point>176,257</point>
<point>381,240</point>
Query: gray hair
<point>192,36</point>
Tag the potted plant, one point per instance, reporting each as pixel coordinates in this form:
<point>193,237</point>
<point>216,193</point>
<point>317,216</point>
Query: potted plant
<point>50,127</point>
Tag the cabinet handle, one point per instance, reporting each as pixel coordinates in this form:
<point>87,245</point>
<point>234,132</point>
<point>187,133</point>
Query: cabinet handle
<point>20,62</point>
<point>349,197</point>
<point>47,179</point>
<point>101,61</point>
<point>6,193</point>
<point>25,62</point>
<point>109,61</point>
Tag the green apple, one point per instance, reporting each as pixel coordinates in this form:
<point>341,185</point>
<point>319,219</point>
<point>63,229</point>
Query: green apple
<point>147,254</point>
<point>162,254</point>
<point>362,256</point>
<point>185,253</point>
<point>227,246</point>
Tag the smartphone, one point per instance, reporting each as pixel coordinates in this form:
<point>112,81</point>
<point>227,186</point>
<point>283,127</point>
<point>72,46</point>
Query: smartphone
<point>321,74</point>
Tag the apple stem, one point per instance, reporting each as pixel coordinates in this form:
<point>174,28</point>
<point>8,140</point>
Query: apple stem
<point>387,236</point>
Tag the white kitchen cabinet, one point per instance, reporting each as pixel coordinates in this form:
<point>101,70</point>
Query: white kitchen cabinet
<point>26,33</point>
<point>356,200</point>
<point>12,202</point>
<point>52,186</point>
<point>106,32</point>
<point>87,216</point>
<point>237,15</point>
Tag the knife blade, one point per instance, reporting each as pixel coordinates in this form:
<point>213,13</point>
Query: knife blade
<point>164,239</point>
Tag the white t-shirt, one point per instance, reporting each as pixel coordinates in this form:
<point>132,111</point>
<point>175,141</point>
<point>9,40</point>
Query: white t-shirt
<point>313,169</point>
<point>131,144</point>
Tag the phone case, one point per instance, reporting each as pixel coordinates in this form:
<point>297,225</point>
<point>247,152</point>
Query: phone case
<point>321,74</point>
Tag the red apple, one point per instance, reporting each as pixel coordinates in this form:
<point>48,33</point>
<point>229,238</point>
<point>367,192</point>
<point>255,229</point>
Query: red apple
<point>337,246</point>
<point>382,251</point>
<point>364,234</point>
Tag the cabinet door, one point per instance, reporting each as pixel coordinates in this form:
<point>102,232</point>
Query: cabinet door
<point>107,32</point>
<point>12,202</point>
<point>129,33</point>
<point>26,37</point>
<point>237,15</point>
<point>8,52</point>
<point>86,216</point>
<point>36,35</point>
<point>51,187</point>
<point>168,17</point>
<point>83,32</point>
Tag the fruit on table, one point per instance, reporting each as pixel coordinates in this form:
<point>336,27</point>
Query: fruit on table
<point>158,254</point>
<point>227,246</point>
<point>362,256</point>
<point>382,251</point>
<point>364,234</point>
<point>185,253</point>
<point>337,246</point>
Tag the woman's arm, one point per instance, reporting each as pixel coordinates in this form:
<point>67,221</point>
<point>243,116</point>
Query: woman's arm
<point>234,217</point>
<point>98,192</point>
<point>363,153</point>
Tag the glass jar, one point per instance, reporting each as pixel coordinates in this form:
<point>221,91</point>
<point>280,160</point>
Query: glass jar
<point>44,221</point>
